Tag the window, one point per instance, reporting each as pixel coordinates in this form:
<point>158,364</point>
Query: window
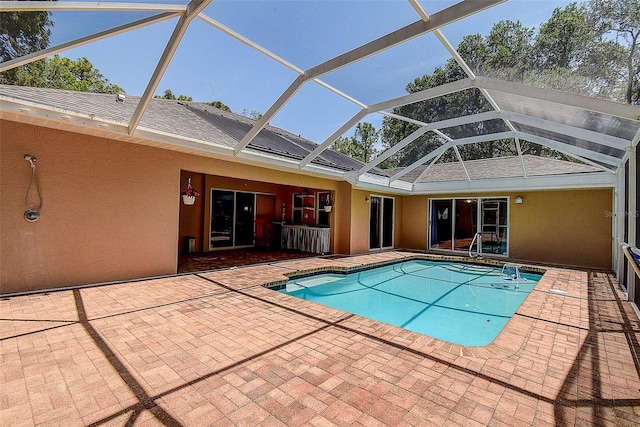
<point>463,224</point>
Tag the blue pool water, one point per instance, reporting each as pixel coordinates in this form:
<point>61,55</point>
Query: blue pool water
<point>459,303</point>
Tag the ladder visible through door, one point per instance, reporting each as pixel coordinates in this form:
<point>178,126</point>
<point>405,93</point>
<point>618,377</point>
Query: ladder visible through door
<point>492,229</point>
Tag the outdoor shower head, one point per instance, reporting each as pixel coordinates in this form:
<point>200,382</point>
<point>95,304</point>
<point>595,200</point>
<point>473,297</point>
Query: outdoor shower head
<point>31,159</point>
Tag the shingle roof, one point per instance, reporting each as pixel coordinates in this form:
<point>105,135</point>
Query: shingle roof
<point>199,121</point>
<point>494,168</point>
<point>188,119</point>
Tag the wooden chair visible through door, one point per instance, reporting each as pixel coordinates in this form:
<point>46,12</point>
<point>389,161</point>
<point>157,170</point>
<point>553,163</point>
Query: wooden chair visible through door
<point>263,233</point>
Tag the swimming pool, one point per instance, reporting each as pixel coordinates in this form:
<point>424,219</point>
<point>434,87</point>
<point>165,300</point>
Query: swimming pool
<point>460,303</point>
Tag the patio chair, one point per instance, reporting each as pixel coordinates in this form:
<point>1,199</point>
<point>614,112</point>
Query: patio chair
<point>263,233</point>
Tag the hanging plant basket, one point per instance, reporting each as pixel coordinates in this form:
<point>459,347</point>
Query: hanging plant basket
<point>188,200</point>
<point>189,194</point>
<point>327,208</point>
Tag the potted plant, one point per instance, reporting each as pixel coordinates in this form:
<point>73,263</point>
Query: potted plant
<point>189,194</point>
<point>327,204</point>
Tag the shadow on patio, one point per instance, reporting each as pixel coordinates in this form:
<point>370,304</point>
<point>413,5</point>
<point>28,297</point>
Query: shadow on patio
<point>194,350</point>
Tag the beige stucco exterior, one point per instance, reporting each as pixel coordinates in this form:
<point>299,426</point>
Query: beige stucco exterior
<point>570,227</point>
<point>112,211</point>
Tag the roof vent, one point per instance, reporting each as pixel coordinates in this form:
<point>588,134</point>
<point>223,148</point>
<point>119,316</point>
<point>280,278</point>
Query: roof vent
<point>120,98</point>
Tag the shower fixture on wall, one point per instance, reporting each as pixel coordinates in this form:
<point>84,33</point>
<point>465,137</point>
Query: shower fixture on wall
<point>32,213</point>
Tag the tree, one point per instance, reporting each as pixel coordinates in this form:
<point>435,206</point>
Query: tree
<point>573,51</point>
<point>562,41</point>
<point>22,33</point>
<point>253,114</point>
<point>220,105</point>
<point>622,18</point>
<point>361,146</point>
<point>169,95</point>
<point>64,73</point>
<point>508,50</point>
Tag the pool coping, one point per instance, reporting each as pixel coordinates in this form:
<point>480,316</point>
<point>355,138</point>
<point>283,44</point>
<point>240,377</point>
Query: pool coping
<point>507,343</point>
<point>339,269</point>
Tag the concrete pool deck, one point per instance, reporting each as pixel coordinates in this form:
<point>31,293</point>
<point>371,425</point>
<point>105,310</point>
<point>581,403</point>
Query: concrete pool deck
<point>218,348</point>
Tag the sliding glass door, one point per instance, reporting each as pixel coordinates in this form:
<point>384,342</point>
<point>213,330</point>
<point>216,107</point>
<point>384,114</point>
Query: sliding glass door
<point>455,223</point>
<point>381,214</point>
<point>232,218</point>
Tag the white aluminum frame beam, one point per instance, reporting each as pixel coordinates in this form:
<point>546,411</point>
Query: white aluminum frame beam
<point>327,142</point>
<point>255,46</point>
<point>571,150</point>
<point>442,124</point>
<point>444,17</point>
<point>192,10</point>
<point>555,96</point>
<point>36,6</point>
<point>561,128</point>
<point>393,150</point>
<point>435,153</point>
<point>439,19</point>
<point>26,59</point>
<point>549,182</point>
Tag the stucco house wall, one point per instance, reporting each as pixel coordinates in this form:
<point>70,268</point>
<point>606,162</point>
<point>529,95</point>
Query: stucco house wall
<point>570,227</point>
<point>111,209</point>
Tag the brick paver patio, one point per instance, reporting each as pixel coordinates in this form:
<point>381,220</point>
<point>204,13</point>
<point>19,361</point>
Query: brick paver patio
<point>218,349</point>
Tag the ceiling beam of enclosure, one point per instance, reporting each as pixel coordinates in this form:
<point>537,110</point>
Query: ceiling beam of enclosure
<point>451,14</point>
<point>193,9</point>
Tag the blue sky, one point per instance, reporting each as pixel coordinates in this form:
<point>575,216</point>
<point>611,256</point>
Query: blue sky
<point>210,65</point>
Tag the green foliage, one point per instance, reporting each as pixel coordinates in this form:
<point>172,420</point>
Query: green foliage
<point>64,73</point>
<point>253,114</point>
<point>591,49</point>
<point>22,33</point>
<point>220,105</point>
<point>621,19</point>
<point>169,95</point>
<point>362,145</point>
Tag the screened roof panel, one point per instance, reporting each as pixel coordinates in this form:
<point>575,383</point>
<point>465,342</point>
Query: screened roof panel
<point>218,71</point>
<point>71,25</point>
<point>275,24</point>
<point>566,114</point>
<point>264,57</point>
<point>501,148</point>
<point>386,74</point>
<point>315,113</point>
<point>486,127</point>
<point>576,142</point>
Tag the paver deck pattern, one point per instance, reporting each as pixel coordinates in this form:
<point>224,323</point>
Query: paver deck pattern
<point>219,349</point>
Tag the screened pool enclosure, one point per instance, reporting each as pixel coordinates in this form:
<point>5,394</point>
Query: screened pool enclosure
<point>318,69</point>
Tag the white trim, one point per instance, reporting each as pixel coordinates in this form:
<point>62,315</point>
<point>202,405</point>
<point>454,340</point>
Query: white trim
<point>550,182</point>
<point>15,6</point>
<point>632,217</point>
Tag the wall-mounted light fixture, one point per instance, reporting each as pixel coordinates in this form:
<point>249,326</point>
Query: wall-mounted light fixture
<point>518,200</point>
<point>366,199</point>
